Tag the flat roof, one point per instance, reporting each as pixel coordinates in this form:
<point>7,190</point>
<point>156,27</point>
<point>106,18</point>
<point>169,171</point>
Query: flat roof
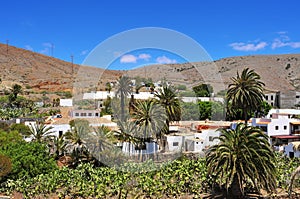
<point>285,136</point>
<point>295,123</point>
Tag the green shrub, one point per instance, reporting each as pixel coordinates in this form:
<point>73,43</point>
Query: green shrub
<point>5,165</point>
<point>28,159</point>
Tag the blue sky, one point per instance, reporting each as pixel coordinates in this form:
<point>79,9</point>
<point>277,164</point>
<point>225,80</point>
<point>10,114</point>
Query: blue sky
<point>223,28</point>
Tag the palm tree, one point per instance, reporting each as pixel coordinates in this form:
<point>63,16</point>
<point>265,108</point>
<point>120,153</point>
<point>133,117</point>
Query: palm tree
<point>101,138</point>
<point>108,87</point>
<point>16,89</point>
<point>242,155</point>
<point>128,133</point>
<point>123,90</point>
<point>77,137</point>
<point>150,118</point>
<point>59,145</point>
<point>245,92</point>
<point>168,99</point>
<point>40,132</point>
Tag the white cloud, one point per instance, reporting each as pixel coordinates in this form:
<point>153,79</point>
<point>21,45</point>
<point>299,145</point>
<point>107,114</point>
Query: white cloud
<point>44,51</point>
<point>240,46</point>
<point>128,59</point>
<point>144,56</point>
<point>165,60</point>
<point>47,47</point>
<point>284,41</point>
<point>84,52</point>
<point>28,47</point>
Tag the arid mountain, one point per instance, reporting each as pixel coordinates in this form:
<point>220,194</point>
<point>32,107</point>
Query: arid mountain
<point>39,72</point>
<point>43,73</point>
<point>278,72</point>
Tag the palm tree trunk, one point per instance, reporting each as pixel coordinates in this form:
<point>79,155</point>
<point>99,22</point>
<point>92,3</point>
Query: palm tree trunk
<point>122,107</point>
<point>235,188</point>
<point>295,173</point>
<point>245,116</point>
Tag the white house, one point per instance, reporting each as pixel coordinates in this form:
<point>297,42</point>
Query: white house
<point>131,149</point>
<point>292,149</point>
<point>66,102</point>
<point>280,125</point>
<point>193,141</point>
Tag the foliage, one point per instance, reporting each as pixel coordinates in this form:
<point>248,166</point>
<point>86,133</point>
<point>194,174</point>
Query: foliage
<point>123,89</point>
<point>245,92</point>
<point>187,93</point>
<point>28,159</point>
<point>190,111</point>
<point>221,93</point>
<point>64,94</point>
<point>168,99</point>
<point>180,87</point>
<point>203,90</point>
<point>211,110</point>
<point>9,137</point>
<point>146,180</point>
<point>5,166</point>
<point>107,107</point>
<point>243,155</point>
<point>21,128</point>
<point>150,118</point>
<point>39,132</point>
<point>284,168</point>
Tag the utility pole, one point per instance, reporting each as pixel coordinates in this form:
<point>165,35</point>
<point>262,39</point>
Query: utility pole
<point>7,47</point>
<point>52,46</point>
<point>72,64</point>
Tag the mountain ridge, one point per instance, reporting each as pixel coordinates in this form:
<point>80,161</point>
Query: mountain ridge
<point>44,73</point>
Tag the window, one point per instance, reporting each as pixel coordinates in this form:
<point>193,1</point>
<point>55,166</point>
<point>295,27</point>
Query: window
<point>276,127</point>
<point>90,114</point>
<point>271,97</point>
<point>60,133</point>
<point>175,143</point>
<point>285,127</point>
<point>297,96</point>
<point>83,114</point>
<point>266,97</point>
<point>97,114</point>
<point>77,114</point>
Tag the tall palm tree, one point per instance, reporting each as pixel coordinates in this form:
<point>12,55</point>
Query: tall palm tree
<point>243,154</point>
<point>40,132</point>
<point>150,118</point>
<point>124,89</point>
<point>245,92</point>
<point>168,99</point>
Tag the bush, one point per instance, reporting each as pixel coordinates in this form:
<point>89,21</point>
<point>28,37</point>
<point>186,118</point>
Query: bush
<point>28,159</point>
<point>5,165</point>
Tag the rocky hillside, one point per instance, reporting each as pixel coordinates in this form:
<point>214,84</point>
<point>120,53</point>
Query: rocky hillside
<point>39,72</point>
<point>279,72</point>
